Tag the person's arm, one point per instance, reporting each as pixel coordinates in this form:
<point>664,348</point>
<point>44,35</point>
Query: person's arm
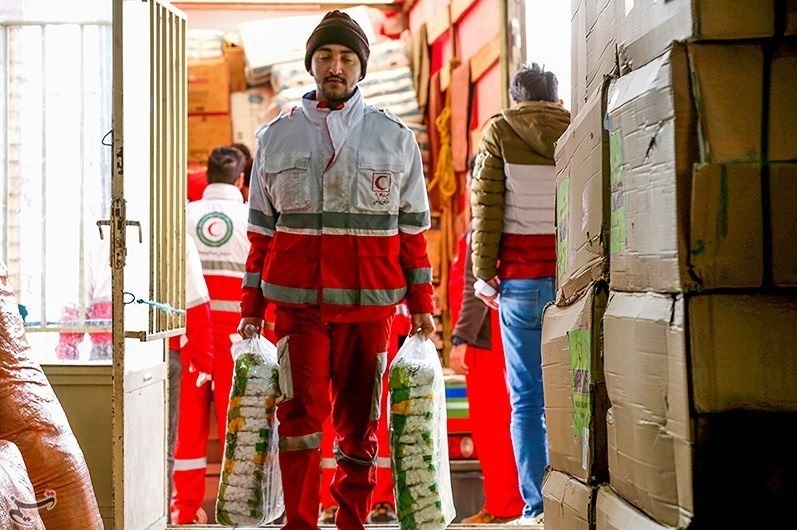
<point>260,231</point>
<point>488,186</point>
<point>198,338</point>
<point>473,321</point>
<point>414,220</point>
<point>473,314</point>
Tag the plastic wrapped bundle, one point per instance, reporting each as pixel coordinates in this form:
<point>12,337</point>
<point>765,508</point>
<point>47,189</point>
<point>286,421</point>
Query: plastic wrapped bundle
<point>418,438</point>
<point>250,489</point>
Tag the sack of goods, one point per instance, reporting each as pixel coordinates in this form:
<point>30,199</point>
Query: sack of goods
<point>250,489</point>
<point>418,438</point>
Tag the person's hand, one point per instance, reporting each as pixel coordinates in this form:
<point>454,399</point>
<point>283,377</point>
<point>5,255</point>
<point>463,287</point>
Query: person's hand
<point>243,326</point>
<point>423,322</point>
<point>456,359</point>
<point>491,299</point>
<point>202,378</point>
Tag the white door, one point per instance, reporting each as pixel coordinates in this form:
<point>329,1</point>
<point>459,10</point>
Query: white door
<point>146,248</point>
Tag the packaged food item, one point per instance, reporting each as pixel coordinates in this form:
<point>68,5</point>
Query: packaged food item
<point>250,488</point>
<point>418,438</point>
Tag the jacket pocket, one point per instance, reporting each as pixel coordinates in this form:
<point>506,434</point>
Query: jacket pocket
<point>378,183</point>
<point>287,180</point>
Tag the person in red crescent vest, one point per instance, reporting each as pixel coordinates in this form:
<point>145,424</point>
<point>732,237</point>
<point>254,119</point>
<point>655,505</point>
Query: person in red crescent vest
<point>190,368</point>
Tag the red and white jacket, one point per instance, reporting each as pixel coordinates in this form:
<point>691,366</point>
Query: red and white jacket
<point>217,224</point>
<point>337,213</point>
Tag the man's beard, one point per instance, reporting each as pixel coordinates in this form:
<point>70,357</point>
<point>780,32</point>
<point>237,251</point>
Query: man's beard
<point>338,94</point>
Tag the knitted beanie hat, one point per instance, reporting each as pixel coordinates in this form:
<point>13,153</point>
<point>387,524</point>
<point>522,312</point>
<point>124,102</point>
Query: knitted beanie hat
<point>338,28</point>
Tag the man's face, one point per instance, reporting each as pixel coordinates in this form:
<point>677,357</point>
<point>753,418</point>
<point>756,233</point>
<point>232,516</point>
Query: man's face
<point>336,70</point>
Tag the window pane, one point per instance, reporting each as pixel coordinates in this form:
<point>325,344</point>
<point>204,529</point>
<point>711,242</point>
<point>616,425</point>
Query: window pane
<point>58,184</point>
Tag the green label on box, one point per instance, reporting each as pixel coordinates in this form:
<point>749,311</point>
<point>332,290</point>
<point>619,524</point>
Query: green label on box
<point>562,216</point>
<point>578,343</point>
<point>618,237</point>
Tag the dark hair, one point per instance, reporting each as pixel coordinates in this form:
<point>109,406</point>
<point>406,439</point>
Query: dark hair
<point>247,161</point>
<point>225,164</point>
<point>532,83</point>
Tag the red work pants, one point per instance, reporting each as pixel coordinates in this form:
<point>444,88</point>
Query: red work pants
<point>383,492</point>
<point>318,360</point>
<point>190,460</point>
<point>488,401</point>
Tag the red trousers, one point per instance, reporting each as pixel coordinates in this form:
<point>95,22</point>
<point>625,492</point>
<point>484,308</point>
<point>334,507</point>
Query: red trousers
<point>319,361</point>
<point>190,460</point>
<point>488,402</point>
<point>383,492</point>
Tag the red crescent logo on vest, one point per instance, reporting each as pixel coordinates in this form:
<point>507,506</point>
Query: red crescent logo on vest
<point>381,182</point>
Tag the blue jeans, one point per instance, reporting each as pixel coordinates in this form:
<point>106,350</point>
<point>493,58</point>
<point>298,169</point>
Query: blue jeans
<point>521,303</point>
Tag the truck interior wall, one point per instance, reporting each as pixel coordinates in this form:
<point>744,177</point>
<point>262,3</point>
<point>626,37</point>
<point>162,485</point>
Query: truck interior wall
<point>476,27</point>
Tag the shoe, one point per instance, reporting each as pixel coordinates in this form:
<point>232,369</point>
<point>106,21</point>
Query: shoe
<point>201,517</point>
<point>382,513</point>
<point>485,517</point>
<point>327,515</point>
<point>536,520</point>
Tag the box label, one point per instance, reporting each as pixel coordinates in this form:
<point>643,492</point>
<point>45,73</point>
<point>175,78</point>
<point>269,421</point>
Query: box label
<point>578,344</point>
<point>618,240</point>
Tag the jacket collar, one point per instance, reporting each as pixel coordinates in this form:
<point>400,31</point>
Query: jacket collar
<point>317,113</point>
<point>225,192</point>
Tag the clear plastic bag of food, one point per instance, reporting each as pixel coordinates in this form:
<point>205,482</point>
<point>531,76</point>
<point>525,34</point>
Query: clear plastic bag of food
<point>250,487</point>
<point>418,438</point>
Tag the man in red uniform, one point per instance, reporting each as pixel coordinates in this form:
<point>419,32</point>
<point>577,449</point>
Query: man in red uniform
<point>190,366</point>
<point>217,225</point>
<point>337,214</point>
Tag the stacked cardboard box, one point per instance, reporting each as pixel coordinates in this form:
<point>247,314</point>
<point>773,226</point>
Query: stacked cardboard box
<point>687,214</point>
<point>208,108</point>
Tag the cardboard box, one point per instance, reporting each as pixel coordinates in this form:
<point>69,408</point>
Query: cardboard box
<point>648,430</point>
<point>569,504</point>
<point>646,28</point>
<point>614,513</point>
<point>206,132</point>
<point>251,109</point>
<point>237,67</point>
<point>782,102</point>
<point>208,86</point>
<point>726,229</point>
<point>682,373</point>
<point>728,133</point>
<point>653,130</point>
<point>574,386</point>
<point>594,49</point>
<point>652,146</point>
<point>782,180</point>
<point>582,201</point>
<point>731,341</point>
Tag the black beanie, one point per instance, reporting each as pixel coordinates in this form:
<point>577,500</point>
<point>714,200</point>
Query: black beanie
<point>338,28</point>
